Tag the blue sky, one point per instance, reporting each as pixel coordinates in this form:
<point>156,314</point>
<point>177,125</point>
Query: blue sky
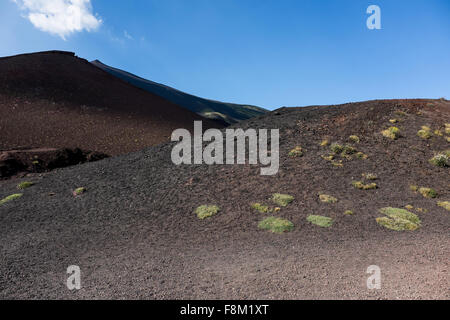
<point>266,53</point>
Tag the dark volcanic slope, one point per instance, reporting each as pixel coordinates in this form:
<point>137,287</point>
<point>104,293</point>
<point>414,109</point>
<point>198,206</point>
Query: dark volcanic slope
<point>54,99</point>
<point>221,111</point>
<point>134,233</point>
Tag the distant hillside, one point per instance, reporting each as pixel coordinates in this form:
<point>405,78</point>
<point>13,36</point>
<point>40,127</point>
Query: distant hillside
<point>227,112</point>
<point>55,99</point>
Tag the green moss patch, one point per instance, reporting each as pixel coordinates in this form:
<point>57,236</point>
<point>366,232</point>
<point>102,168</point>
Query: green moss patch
<point>24,185</point>
<point>444,204</point>
<point>261,208</point>
<point>398,219</point>
<point>391,133</point>
<point>320,221</point>
<point>10,198</point>
<point>362,186</point>
<point>282,199</point>
<point>206,211</point>
<point>276,225</point>
<point>327,198</point>
<point>428,192</point>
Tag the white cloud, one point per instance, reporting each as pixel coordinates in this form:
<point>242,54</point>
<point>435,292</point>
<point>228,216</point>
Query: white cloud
<point>127,35</point>
<point>60,17</point>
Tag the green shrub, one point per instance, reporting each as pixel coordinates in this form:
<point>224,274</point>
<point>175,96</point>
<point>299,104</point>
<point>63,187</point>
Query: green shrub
<point>320,221</point>
<point>206,211</point>
<point>296,152</point>
<point>348,150</point>
<point>328,199</point>
<point>79,191</point>
<point>398,219</point>
<point>444,204</point>
<point>360,185</point>
<point>447,128</point>
<point>391,133</point>
<point>370,176</point>
<point>354,138</point>
<point>328,158</point>
<point>336,148</point>
<point>361,155</point>
<point>260,207</point>
<point>441,159</point>
<point>425,132</point>
<point>24,185</point>
<point>349,212</point>
<point>428,192</point>
<point>276,225</point>
<point>325,143</point>
<point>282,199</point>
<point>10,198</point>
<point>337,163</point>
<point>413,188</point>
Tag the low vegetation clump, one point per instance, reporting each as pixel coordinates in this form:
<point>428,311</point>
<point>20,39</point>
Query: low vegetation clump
<point>10,198</point>
<point>393,120</point>
<point>354,138</point>
<point>276,225</point>
<point>261,208</point>
<point>79,191</point>
<point>425,132</point>
<point>370,176</point>
<point>447,128</point>
<point>422,210</point>
<point>409,207</point>
<point>438,133</point>
<point>362,186</point>
<point>206,211</point>
<point>444,204</point>
<point>337,163</point>
<point>349,212</point>
<point>296,152</point>
<point>399,219</point>
<point>391,133</point>
<point>282,199</point>
<point>413,188</point>
<point>441,159</point>
<point>327,198</point>
<point>336,148</point>
<point>320,221</point>
<point>24,185</point>
<point>361,155</point>
<point>325,143</point>
<point>348,150</point>
<point>328,158</point>
<point>428,192</point>
<point>400,113</point>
